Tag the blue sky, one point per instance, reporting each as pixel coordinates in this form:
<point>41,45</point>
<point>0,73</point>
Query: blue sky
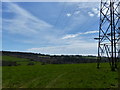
<point>50,27</point>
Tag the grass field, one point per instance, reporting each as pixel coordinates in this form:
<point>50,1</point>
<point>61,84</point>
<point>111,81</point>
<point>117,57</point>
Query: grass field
<point>0,77</point>
<point>21,61</point>
<point>12,58</point>
<point>59,76</point>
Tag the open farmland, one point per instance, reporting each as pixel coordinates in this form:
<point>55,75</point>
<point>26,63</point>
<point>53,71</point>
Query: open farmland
<point>58,75</point>
<point>60,44</point>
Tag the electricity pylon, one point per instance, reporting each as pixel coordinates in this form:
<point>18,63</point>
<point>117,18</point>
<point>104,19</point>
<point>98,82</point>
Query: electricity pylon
<point>109,32</point>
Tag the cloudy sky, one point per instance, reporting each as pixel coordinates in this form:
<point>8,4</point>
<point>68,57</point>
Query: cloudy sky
<point>50,27</point>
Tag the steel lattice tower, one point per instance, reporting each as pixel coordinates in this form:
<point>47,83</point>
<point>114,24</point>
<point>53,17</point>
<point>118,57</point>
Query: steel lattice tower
<point>109,32</point>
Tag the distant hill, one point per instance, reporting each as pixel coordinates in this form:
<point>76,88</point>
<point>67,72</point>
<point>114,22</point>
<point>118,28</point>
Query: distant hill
<point>53,59</point>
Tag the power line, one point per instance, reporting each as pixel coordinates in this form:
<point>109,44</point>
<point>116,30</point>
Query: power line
<point>63,15</point>
<point>60,14</point>
<point>72,14</point>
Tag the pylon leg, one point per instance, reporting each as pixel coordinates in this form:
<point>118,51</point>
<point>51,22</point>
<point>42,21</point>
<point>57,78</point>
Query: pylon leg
<point>109,32</point>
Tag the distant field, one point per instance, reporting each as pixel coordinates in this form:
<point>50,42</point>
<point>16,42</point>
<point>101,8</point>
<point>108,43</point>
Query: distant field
<point>58,76</point>
<point>12,58</point>
<point>21,61</point>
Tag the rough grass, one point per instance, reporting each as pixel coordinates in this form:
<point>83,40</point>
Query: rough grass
<point>59,76</point>
<point>21,61</point>
<point>12,58</point>
<point>0,77</point>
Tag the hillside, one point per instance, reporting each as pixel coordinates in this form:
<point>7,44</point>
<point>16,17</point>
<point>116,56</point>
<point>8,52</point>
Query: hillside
<point>50,59</point>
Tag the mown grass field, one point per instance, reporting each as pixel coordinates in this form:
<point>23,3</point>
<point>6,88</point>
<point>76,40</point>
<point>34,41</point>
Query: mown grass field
<point>59,76</point>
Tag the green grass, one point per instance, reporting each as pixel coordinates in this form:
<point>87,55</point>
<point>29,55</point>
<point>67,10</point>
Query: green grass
<point>59,76</point>
<point>0,57</point>
<point>0,77</point>
<point>89,57</point>
<point>21,61</point>
<point>12,58</point>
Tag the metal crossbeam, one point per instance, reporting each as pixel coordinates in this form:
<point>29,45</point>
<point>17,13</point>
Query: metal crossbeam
<point>109,32</point>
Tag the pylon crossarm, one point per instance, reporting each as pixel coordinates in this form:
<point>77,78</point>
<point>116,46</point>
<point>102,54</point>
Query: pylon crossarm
<point>109,32</point>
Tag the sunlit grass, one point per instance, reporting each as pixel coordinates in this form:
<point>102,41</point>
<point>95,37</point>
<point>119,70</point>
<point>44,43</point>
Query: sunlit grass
<point>60,76</point>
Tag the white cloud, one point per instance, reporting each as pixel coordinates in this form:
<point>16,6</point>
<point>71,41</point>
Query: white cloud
<point>75,35</point>
<point>90,14</point>
<point>23,21</point>
<point>70,36</point>
<point>90,32</point>
<point>77,12</point>
<point>77,48</point>
<point>68,14</point>
<point>96,11</point>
